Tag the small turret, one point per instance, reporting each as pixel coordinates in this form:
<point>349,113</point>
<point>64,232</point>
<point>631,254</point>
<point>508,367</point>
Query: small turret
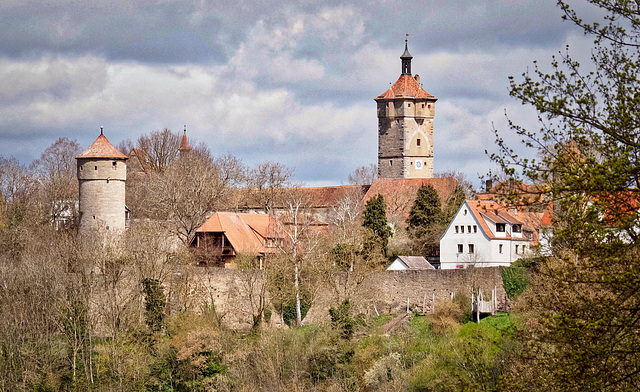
<point>184,145</point>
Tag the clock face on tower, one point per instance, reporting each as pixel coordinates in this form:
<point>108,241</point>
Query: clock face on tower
<point>418,164</point>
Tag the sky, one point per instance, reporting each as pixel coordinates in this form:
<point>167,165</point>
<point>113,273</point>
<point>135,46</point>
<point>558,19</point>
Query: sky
<point>287,82</point>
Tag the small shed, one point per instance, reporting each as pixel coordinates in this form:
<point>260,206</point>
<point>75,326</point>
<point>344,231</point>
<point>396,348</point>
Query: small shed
<point>410,263</point>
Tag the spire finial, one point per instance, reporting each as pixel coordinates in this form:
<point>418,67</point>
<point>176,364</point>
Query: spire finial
<point>101,131</point>
<point>406,57</point>
<point>185,129</point>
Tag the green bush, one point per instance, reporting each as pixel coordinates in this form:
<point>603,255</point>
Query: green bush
<point>514,279</point>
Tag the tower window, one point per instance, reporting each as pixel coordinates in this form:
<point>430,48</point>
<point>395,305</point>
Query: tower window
<point>418,142</point>
<point>95,168</point>
<point>390,162</point>
<point>409,105</point>
<point>423,105</point>
<point>113,165</point>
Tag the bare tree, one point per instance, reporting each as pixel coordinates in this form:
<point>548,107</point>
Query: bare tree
<point>297,224</point>
<point>363,175</point>
<point>55,172</point>
<point>266,184</point>
<point>185,193</point>
<point>462,180</point>
<point>161,148</point>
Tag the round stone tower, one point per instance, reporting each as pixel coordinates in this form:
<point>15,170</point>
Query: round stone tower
<point>102,172</point>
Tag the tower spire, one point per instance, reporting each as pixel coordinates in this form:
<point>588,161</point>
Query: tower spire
<point>184,145</point>
<point>406,57</point>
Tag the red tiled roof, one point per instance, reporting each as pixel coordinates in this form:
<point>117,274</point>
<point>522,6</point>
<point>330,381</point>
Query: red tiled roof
<point>330,195</point>
<point>184,145</point>
<point>101,148</point>
<point>499,213</point>
<point>400,193</point>
<point>406,87</point>
<point>246,232</point>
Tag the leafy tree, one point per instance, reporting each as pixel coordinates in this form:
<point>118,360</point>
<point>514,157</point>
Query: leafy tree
<point>376,220</point>
<point>586,333</point>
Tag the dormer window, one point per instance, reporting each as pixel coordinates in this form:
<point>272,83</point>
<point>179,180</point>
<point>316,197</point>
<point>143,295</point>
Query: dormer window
<point>500,227</point>
<point>516,228</point>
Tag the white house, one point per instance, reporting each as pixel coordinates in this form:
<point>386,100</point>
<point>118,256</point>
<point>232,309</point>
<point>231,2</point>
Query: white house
<point>485,233</point>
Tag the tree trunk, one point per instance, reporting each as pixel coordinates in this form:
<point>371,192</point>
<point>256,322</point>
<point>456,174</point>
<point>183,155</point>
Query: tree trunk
<point>297,286</point>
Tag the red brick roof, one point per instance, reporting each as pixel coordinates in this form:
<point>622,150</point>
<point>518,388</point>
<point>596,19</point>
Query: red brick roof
<point>400,193</point>
<point>101,148</point>
<point>328,196</point>
<point>499,213</point>
<point>406,87</point>
<point>184,145</point>
<point>246,232</point>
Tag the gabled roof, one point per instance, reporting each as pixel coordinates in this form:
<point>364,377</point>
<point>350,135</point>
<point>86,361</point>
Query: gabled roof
<point>499,213</point>
<point>101,148</point>
<point>246,232</point>
<point>415,262</point>
<point>406,87</point>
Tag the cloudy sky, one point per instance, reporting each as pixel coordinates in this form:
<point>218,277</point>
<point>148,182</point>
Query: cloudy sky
<point>291,82</point>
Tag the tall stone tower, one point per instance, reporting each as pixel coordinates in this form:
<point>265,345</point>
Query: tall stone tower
<point>405,127</point>
<point>102,172</point>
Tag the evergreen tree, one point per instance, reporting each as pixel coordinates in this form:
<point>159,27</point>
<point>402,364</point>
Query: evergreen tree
<point>375,219</point>
<point>154,303</point>
<point>426,210</point>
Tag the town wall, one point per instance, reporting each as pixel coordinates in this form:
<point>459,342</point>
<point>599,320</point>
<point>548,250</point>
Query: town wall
<point>237,295</point>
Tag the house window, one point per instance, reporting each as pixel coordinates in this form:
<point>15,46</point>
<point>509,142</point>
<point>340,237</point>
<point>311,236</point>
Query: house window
<point>475,228</point>
<point>418,142</point>
<point>471,250</point>
<point>460,249</point>
<point>516,249</point>
<point>500,248</point>
<point>469,229</point>
<point>516,228</point>
<point>462,229</point>
<point>457,230</point>
<point>464,212</point>
<point>500,227</point>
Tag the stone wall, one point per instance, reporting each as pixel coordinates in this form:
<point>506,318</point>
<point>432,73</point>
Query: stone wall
<point>237,294</point>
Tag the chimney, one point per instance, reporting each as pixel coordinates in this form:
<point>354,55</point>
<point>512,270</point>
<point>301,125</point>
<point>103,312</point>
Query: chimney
<point>488,185</point>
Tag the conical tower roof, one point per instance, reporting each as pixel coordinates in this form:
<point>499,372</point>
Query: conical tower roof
<point>101,148</point>
<point>184,145</point>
